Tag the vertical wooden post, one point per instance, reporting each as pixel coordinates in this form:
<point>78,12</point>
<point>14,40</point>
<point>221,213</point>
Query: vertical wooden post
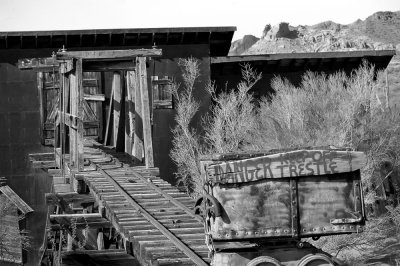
<point>66,83</point>
<point>117,88</point>
<point>138,132</point>
<point>129,110</point>
<point>70,243</point>
<point>41,106</point>
<point>73,111</point>
<point>109,116</point>
<point>99,105</point>
<point>79,85</point>
<point>154,88</point>
<point>100,241</point>
<point>76,136</point>
<point>144,91</point>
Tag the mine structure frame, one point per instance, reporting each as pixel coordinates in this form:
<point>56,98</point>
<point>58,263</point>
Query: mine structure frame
<point>77,163</point>
<point>72,65</point>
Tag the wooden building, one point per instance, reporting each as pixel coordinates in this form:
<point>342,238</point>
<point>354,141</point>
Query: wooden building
<point>13,211</point>
<point>28,108</point>
<point>23,121</point>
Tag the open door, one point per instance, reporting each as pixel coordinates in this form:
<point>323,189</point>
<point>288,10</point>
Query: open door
<point>49,89</point>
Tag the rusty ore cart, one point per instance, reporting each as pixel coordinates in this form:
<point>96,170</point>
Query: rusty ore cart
<point>258,207</point>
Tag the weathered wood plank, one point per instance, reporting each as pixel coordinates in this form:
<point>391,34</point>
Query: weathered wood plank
<point>129,110</point>
<point>73,111</point>
<point>39,64</point>
<point>94,97</point>
<point>109,116</point>
<point>40,88</point>
<point>117,88</point>
<point>42,160</point>
<point>288,164</point>
<point>138,132</point>
<point>144,91</point>
<point>99,105</point>
<point>75,216</point>
<point>100,241</point>
<point>79,77</point>
<point>109,54</point>
<point>15,199</point>
<point>73,197</point>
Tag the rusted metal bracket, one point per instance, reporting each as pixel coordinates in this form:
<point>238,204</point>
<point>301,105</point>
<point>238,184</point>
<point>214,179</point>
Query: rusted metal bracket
<point>215,205</point>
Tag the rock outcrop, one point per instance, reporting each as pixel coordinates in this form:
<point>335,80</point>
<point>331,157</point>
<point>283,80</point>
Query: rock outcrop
<point>240,46</point>
<point>378,32</point>
<point>281,30</point>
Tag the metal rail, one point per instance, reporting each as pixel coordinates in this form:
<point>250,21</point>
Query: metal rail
<point>178,243</point>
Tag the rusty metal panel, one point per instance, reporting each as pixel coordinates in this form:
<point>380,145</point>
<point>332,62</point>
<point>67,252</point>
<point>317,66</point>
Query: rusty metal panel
<point>330,204</point>
<point>253,210</point>
<point>289,205</point>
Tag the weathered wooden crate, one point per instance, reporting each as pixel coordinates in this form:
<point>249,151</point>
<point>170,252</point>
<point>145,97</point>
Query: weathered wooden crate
<point>300,193</point>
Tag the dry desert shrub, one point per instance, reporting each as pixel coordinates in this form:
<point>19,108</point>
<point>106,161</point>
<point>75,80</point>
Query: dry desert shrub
<point>232,123</point>
<point>339,110</point>
<point>186,142</point>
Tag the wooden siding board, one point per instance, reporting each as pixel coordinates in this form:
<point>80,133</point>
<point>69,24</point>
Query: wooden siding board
<point>12,252</point>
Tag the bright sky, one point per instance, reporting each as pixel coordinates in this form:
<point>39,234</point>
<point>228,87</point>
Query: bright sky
<point>250,16</point>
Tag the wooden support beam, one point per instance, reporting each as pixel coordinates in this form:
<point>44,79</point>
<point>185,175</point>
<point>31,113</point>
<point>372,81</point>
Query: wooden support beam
<point>109,116</point>
<point>73,111</point>
<point>99,104</point>
<point>76,136</point>
<point>117,104</point>
<point>129,111</point>
<point>104,66</point>
<point>94,97</point>
<point>79,75</point>
<point>38,64</point>
<point>100,241</point>
<point>144,90</point>
<point>109,54</point>
<point>42,160</point>
<point>70,216</point>
<point>41,104</point>
<point>70,243</point>
<point>138,130</point>
<point>65,83</point>
<point>69,120</point>
<point>72,197</point>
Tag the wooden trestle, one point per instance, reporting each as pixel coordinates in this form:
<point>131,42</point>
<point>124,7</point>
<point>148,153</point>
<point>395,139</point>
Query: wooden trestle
<point>150,219</point>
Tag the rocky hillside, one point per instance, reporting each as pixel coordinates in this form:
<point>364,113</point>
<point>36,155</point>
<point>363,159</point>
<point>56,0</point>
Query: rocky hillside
<point>379,31</point>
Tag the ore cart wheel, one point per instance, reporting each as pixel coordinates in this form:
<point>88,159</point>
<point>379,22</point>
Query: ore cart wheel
<point>316,260</point>
<point>264,261</point>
